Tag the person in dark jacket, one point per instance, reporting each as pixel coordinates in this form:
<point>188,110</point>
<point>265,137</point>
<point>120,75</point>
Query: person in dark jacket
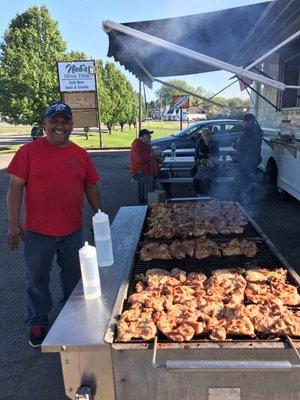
<point>248,150</point>
<point>206,150</point>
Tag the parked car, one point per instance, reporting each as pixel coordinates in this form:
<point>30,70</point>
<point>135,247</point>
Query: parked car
<point>36,132</point>
<point>224,131</point>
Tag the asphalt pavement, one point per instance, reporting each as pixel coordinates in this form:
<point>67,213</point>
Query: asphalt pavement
<point>28,374</point>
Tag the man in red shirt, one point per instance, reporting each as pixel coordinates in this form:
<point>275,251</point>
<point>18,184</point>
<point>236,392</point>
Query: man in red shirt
<point>144,164</point>
<point>56,174</point>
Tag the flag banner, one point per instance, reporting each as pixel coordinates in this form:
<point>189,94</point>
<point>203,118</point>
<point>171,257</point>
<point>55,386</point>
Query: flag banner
<point>244,83</point>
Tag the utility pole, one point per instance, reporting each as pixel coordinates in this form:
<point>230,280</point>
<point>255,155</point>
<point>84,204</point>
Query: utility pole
<point>98,106</point>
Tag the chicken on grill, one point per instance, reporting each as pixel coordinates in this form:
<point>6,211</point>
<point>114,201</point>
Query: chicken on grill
<point>182,305</point>
<point>198,248</point>
<point>168,221</point>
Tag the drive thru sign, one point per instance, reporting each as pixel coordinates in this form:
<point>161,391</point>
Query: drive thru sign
<point>181,101</point>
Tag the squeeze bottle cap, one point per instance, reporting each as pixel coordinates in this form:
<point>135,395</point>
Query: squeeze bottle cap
<point>87,250</point>
<point>100,216</point>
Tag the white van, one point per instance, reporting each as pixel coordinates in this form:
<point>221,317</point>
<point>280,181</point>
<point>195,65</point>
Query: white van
<point>173,114</point>
<point>281,166</point>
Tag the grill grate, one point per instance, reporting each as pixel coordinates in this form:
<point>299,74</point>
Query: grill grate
<point>264,258</point>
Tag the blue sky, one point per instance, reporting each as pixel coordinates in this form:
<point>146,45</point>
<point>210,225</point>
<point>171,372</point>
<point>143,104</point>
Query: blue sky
<point>80,25</point>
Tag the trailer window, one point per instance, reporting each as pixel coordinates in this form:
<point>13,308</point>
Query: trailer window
<point>291,76</point>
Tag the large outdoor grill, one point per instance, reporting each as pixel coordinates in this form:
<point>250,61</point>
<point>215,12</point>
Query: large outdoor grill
<point>239,368</point>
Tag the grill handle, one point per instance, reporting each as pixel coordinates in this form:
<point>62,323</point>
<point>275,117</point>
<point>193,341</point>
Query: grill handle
<point>227,366</point>
<point>222,366</point>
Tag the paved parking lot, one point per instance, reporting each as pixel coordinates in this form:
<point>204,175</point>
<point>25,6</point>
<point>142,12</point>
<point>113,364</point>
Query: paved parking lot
<point>27,374</point>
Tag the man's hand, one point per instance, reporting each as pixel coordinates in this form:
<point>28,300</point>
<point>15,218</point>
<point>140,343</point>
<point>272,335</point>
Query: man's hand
<point>13,236</point>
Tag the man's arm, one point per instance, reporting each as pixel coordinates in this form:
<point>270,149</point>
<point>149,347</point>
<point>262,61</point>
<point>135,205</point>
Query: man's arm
<point>14,201</point>
<point>93,197</point>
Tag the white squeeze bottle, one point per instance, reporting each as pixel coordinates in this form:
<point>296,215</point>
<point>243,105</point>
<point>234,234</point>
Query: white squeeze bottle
<point>89,272</point>
<point>102,237</point>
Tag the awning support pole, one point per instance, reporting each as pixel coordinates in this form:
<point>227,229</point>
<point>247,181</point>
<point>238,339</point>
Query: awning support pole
<point>107,25</point>
<point>222,90</point>
<point>140,105</point>
<point>260,95</point>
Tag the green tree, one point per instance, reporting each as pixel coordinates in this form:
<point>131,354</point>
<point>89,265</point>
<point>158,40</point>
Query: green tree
<point>28,81</point>
<point>30,48</point>
<point>74,56</point>
<point>133,109</point>
<point>116,96</point>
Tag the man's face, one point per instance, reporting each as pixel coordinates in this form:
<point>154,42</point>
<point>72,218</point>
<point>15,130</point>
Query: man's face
<point>206,136</point>
<point>245,124</point>
<point>147,138</point>
<point>58,129</point>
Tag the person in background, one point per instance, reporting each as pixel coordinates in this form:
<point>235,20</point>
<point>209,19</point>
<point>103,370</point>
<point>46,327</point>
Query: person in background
<point>55,175</point>
<point>248,149</point>
<point>144,164</point>
<point>205,164</point>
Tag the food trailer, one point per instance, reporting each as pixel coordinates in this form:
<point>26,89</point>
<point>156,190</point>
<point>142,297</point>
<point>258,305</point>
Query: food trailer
<point>97,365</point>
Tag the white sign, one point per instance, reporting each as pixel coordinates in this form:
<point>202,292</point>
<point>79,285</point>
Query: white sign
<point>76,76</point>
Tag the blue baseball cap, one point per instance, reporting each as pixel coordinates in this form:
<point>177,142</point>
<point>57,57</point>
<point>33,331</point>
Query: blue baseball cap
<point>58,108</point>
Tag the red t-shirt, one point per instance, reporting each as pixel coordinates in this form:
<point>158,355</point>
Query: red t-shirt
<point>56,178</point>
<point>142,159</point>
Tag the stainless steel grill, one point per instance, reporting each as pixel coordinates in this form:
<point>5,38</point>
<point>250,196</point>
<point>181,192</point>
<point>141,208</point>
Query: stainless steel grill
<point>265,368</point>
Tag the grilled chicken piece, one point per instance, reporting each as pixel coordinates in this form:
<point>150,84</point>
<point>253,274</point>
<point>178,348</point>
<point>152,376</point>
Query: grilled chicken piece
<point>236,248</point>
<point>179,274</point>
<point>287,293</point>
<point>249,248</point>
<point>264,274</point>
<point>218,333</point>
<point>206,248</point>
<point>164,231</point>
<point>230,320</point>
<point>136,323</point>
<point>210,309</point>
<point>189,247</point>
<point>179,323</point>
<point>196,279</point>
<point>182,293</point>
<point>292,323</point>
<point>145,330</point>
<point>262,292</point>
<point>236,320</point>
<point>177,250</point>
<point>149,251</point>
<point>227,287</point>
<point>139,287</point>
<point>155,251</point>
<point>182,333</point>
<point>274,318</point>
